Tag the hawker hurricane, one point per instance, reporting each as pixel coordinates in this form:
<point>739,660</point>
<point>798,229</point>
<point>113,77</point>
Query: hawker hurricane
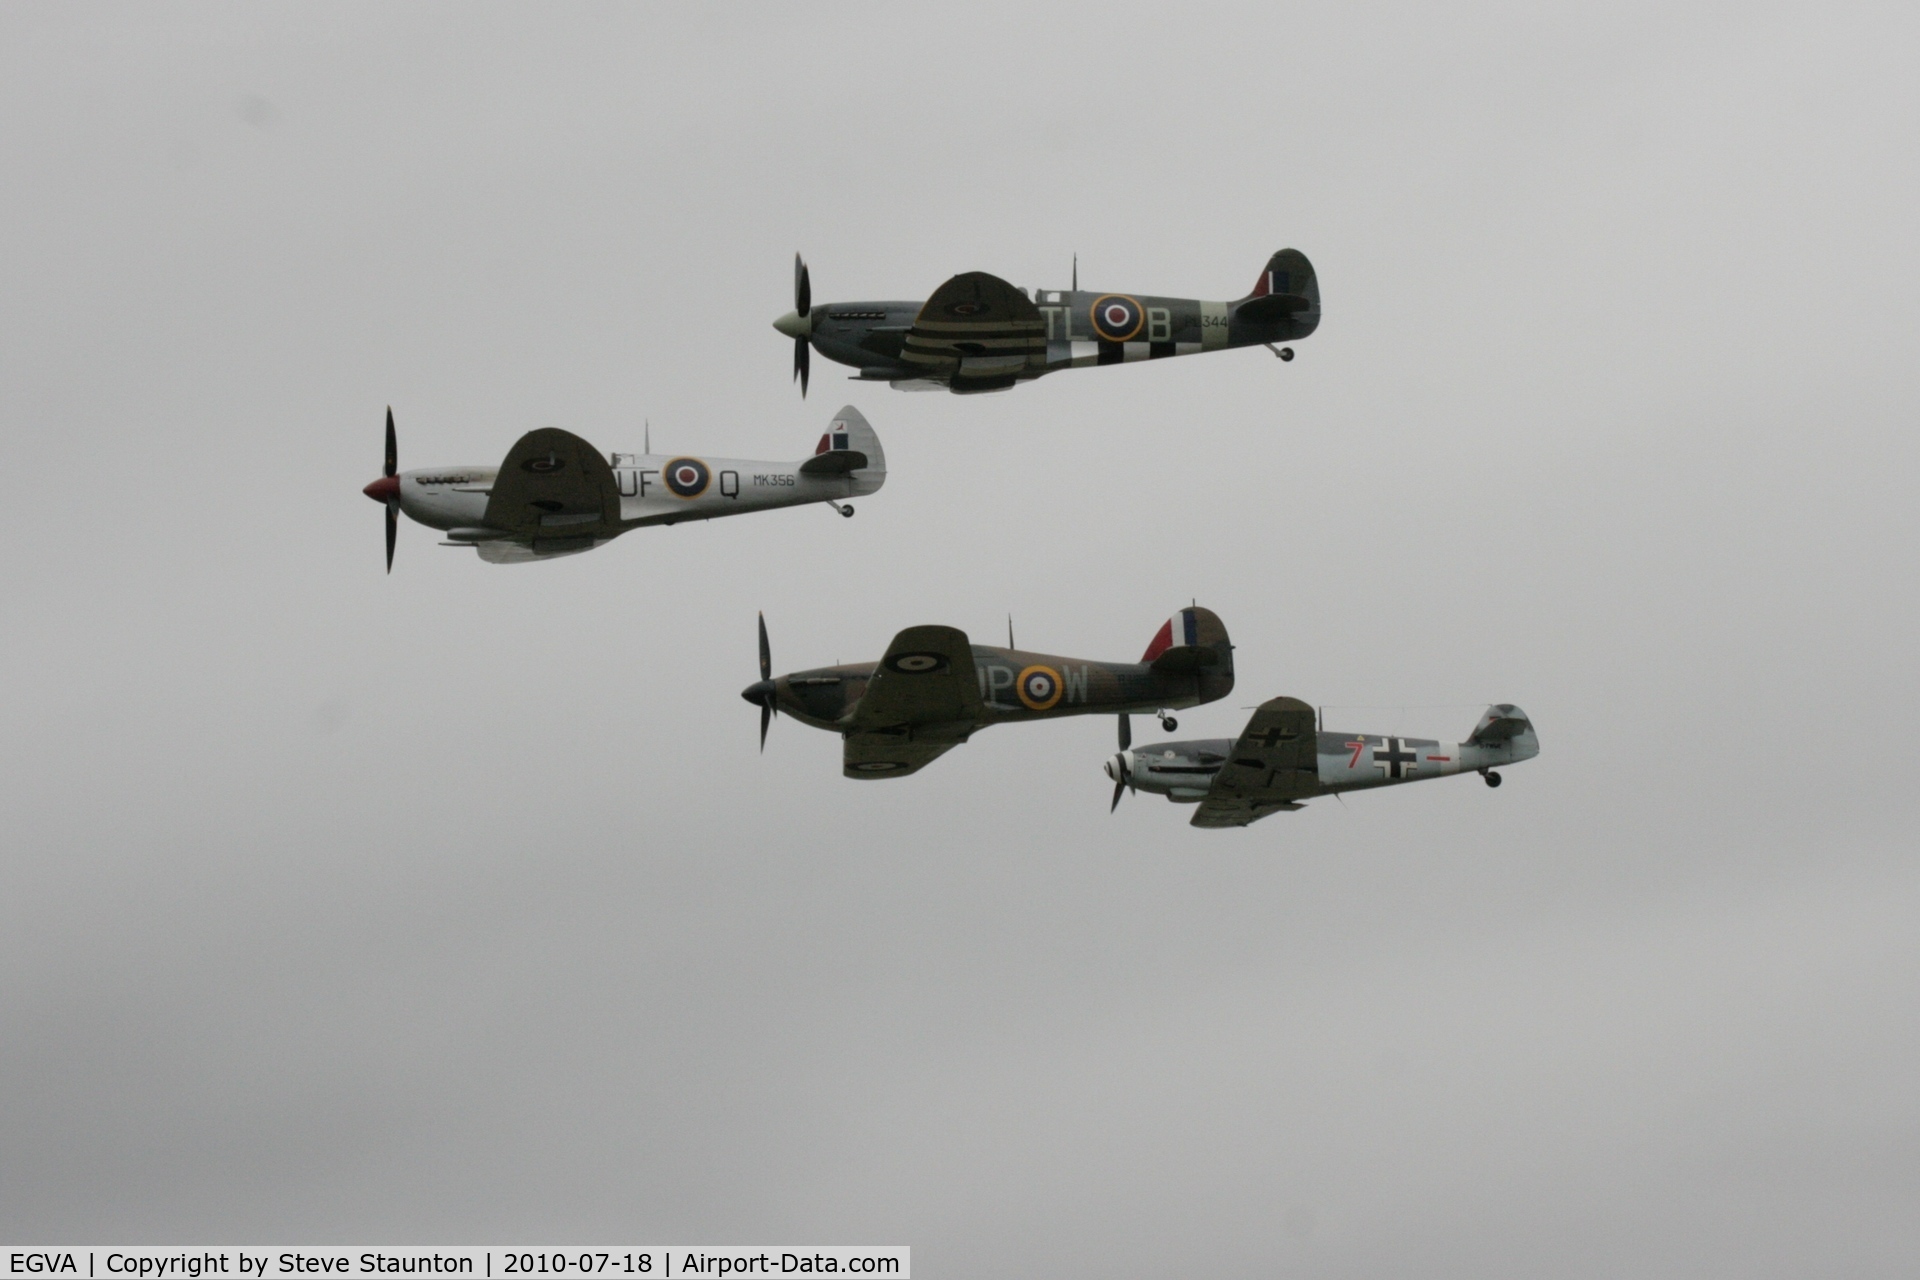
<point>935,688</point>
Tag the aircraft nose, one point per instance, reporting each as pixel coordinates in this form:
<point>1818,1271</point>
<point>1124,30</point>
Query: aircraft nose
<point>795,325</point>
<point>758,693</point>
<point>384,488</point>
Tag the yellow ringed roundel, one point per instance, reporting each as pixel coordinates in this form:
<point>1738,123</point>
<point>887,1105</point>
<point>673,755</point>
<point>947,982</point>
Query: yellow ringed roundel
<point>1039,688</point>
<point>1116,317</point>
<point>687,477</point>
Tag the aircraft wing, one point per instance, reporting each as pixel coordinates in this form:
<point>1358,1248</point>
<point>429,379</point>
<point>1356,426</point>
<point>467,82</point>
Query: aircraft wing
<point>923,700</point>
<point>553,484</point>
<point>977,327</point>
<point>1274,764</point>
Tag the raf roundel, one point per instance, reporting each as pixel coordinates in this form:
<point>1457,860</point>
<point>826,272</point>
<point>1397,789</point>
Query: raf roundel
<point>917,664</point>
<point>1116,317</point>
<point>687,477</point>
<point>1039,688</point>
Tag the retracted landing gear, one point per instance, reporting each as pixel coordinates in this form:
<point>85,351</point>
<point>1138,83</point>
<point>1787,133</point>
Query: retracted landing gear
<point>1493,779</point>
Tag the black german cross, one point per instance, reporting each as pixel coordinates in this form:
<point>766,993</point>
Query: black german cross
<point>1392,756</point>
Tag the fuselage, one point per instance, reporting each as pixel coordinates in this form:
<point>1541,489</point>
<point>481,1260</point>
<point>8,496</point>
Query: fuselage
<point>654,489</point>
<point>1182,771</point>
<point>1084,329</point>
<point>1015,685</point>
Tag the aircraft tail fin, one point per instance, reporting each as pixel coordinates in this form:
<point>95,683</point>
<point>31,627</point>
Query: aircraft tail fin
<point>1502,723</point>
<point>1286,289</point>
<point>1193,639</point>
<point>850,447</point>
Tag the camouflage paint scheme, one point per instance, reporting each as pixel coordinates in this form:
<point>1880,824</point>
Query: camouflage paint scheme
<point>934,689</point>
<point>979,333</point>
<point>555,494</point>
<point>1281,759</point>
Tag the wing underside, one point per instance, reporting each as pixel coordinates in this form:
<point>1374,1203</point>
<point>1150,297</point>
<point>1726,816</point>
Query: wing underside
<point>977,328</point>
<point>554,485</point>
<point>1273,766</point>
<point>923,700</point>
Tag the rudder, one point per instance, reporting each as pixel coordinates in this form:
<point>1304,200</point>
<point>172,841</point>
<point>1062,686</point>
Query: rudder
<point>1287,273</point>
<point>1194,641</point>
<point>1286,296</point>
<point>847,435</point>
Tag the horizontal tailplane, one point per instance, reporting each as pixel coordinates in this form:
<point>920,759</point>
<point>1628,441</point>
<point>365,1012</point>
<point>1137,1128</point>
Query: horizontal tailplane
<point>1502,723</point>
<point>849,447</point>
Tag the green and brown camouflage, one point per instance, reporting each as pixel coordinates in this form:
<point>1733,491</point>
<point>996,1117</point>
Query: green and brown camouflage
<point>934,688</point>
<point>979,333</point>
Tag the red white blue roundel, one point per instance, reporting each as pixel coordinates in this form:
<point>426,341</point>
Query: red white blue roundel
<point>1039,688</point>
<point>687,477</point>
<point>1117,318</point>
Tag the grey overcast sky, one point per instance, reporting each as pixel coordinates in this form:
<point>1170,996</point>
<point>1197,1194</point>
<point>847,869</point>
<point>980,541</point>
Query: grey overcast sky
<point>457,906</point>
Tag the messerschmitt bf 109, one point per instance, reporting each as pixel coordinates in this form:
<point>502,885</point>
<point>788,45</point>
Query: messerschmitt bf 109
<point>979,333</point>
<point>556,495</point>
<point>1283,758</point>
<point>934,689</point>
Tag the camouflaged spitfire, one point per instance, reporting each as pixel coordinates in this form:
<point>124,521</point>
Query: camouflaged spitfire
<point>979,333</point>
<point>934,689</point>
<point>556,495</point>
<point>1283,758</point>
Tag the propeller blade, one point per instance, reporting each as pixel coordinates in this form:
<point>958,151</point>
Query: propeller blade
<point>393,529</point>
<point>801,358</point>
<point>763,692</point>
<point>802,288</point>
<point>393,446</point>
<point>1119,789</point>
<point>1126,732</point>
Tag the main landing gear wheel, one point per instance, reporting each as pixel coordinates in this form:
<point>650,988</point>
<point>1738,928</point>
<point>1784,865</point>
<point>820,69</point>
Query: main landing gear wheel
<point>1493,779</point>
<point>1168,724</point>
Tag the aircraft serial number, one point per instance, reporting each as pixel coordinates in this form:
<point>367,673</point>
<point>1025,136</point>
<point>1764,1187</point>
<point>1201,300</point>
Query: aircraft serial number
<point>773,480</point>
